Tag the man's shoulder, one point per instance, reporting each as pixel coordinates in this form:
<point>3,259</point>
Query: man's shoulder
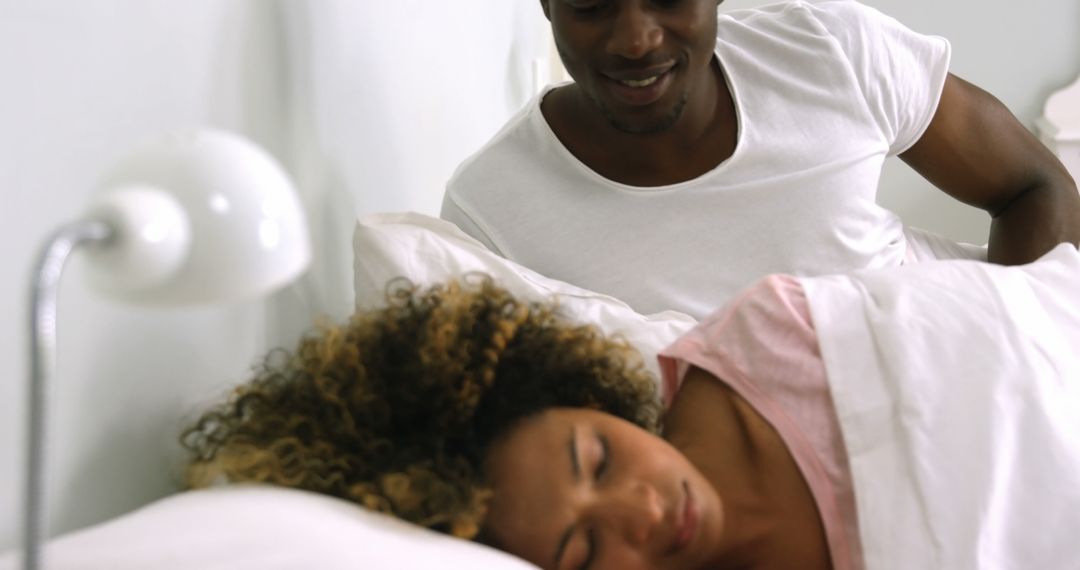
<point>790,34</point>
<point>513,147</point>
<point>798,12</point>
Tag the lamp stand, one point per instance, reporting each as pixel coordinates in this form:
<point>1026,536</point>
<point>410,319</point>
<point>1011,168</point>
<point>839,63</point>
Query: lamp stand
<point>44,295</point>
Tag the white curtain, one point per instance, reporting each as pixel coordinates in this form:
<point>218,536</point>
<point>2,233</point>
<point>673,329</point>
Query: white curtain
<point>381,101</point>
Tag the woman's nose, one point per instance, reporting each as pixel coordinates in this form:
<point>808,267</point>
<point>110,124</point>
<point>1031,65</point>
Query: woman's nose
<point>635,33</point>
<point>634,511</point>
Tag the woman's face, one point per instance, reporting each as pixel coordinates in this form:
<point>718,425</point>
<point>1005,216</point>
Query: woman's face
<point>577,489</point>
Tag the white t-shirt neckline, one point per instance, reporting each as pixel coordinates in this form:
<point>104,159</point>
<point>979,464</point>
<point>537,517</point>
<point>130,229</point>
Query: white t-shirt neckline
<point>541,121</point>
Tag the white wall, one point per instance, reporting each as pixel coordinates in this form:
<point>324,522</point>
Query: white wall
<point>1019,51</point>
<point>82,83</point>
<point>370,105</point>
<point>385,100</point>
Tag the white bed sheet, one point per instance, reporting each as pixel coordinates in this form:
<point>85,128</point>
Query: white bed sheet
<point>957,385</point>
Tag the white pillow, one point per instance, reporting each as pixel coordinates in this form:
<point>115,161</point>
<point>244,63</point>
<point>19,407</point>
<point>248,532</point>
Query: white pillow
<point>251,527</point>
<point>268,528</point>
<point>429,250</point>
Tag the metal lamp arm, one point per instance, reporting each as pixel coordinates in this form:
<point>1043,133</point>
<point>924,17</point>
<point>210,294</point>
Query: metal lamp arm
<point>44,294</point>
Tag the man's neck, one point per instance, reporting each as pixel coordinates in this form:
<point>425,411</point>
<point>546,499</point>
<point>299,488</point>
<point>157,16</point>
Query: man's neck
<point>702,137</point>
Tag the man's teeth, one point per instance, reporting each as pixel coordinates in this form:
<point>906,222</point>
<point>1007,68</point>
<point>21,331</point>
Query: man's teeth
<point>640,82</point>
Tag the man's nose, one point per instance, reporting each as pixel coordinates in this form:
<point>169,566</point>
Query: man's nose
<point>634,511</point>
<point>635,33</point>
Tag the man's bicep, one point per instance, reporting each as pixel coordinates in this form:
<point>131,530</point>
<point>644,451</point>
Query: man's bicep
<point>976,150</point>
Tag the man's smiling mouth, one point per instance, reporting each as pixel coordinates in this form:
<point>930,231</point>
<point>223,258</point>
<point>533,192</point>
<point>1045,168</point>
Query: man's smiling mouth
<point>641,77</point>
<point>640,82</point>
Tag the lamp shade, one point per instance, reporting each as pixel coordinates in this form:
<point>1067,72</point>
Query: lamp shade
<point>199,216</point>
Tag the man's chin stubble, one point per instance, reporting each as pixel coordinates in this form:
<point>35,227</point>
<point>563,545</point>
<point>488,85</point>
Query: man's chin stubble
<point>658,126</point>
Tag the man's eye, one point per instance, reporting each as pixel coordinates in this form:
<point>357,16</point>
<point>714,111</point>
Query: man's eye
<point>587,8</point>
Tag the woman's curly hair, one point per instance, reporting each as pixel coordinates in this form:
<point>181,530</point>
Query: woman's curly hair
<point>395,410</point>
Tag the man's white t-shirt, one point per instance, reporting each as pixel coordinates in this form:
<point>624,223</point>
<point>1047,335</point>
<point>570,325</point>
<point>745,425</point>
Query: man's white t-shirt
<point>824,93</point>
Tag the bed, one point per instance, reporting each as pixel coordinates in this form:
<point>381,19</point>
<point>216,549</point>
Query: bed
<point>238,528</point>
<point>861,319</point>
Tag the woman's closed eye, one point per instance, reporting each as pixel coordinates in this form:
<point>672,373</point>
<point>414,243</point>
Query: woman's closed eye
<point>590,457</point>
<point>590,553</point>
<point>602,462</point>
<point>603,459</point>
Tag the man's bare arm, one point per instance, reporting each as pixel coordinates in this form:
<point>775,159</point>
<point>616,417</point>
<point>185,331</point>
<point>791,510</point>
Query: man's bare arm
<point>978,152</point>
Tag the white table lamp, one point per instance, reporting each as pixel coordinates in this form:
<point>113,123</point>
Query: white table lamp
<point>196,217</point>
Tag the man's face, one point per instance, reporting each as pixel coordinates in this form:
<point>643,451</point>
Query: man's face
<point>638,61</point>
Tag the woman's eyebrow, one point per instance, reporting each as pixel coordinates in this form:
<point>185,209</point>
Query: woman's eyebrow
<point>575,462</point>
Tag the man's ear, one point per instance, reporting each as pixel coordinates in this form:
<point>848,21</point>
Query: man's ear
<point>547,10</point>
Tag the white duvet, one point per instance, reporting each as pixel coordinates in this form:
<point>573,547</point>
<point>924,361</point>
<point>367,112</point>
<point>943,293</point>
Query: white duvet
<point>957,384</point>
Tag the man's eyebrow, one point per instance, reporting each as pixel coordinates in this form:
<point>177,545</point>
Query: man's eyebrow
<point>575,468</point>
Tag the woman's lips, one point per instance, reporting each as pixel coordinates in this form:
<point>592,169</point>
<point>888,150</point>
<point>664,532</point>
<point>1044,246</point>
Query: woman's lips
<point>641,89</point>
<point>687,523</point>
